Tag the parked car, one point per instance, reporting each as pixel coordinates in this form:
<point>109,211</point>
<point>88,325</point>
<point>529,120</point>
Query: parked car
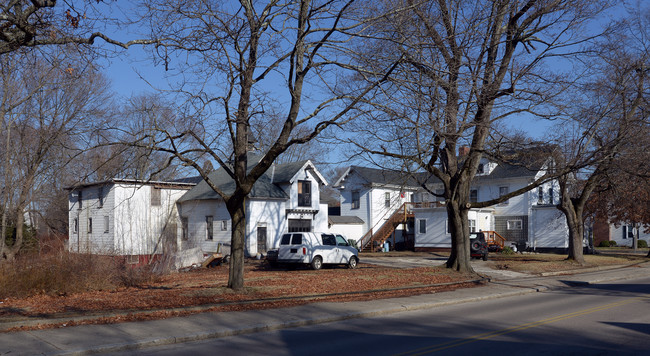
<point>315,249</point>
<point>478,246</point>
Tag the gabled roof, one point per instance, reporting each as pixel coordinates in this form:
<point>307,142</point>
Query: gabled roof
<point>384,177</point>
<point>521,163</point>
<point>267,186</point>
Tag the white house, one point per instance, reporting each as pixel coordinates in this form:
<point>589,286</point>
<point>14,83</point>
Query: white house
<point>373,196</point>
<point>529,220</point>
<point>285,198</point>
<point>124,217</point>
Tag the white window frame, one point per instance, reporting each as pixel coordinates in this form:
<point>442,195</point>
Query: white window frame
<point>472,225</point>
<point>387,199</point>
<point>516,224</point>
<point>422,225</point>
<point>355,203</point>
<point>107,223</point>
<point>224,225</point>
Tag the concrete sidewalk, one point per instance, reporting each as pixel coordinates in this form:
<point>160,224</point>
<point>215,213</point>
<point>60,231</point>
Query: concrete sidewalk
<point>90,339</point>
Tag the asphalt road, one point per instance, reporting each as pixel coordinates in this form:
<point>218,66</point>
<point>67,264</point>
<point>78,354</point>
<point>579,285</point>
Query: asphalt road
<point>599,319</point>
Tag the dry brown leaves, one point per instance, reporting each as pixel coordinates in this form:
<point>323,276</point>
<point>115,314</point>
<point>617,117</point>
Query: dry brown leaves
<point>205,290</point>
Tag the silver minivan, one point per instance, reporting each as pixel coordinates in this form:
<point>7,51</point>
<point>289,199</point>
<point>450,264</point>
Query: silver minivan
<point>316,249</point>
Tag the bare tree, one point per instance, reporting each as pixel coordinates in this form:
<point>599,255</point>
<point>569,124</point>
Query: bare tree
<point>35,23</point>
<point>467,65</point>
<point>234,63</point>
<point>611,121</point>
<point>47,107</point>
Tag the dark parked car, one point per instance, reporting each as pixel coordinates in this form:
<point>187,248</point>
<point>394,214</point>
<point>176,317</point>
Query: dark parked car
<point>478,246</point>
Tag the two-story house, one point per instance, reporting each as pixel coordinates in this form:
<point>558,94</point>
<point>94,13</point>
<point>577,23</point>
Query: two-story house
<point>373,196</point>
<point>530,220</point>
<point>125,217</point>
<point>384,197</point>
<point>285,198</point>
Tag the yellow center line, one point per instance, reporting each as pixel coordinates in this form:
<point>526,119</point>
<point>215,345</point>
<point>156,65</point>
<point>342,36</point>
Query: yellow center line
<point>488,335</point>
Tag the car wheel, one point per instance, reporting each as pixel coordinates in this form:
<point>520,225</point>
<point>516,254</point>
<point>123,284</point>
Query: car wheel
<point>476,245</point>
<point>352,263</point>
<point>485,257</point>
<point>317,263</point>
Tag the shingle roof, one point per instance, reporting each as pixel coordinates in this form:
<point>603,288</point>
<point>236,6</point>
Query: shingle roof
<point>521,163</point>
<point>350,220</point>
<point>389,177</point>
<point>265,187</point>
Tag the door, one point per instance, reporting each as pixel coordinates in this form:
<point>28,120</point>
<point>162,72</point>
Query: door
<point>170,245</point>
<point>261,239</point>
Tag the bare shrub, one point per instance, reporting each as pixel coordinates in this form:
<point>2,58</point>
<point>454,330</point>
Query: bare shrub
<point>58,272</point>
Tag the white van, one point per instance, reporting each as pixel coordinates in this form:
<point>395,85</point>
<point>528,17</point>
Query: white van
<point>316,249</point>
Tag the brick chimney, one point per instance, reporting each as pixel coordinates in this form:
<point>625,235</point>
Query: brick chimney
<point>463,151</point>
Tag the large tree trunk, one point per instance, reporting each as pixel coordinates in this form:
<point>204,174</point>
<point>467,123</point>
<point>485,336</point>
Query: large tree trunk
<point>236,208</point>
<point>9,252</point>
<point>459,229</point>
<point>573,214</point>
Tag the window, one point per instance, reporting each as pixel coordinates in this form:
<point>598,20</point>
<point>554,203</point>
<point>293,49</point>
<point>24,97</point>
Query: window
<point>440,195</point>
<point>106,224</point>
<point>387,199</point>
<point>472,225</point>
<point>299,225</point>
<point>286,239</point>
<point>540,195</point>
<point>514,225</point>
<point>628,231</point>
<point>340,241</point>
<point>100,196</point>
<point>329,240</point>
<point>356,201</point>
<point>550,195</point>
<point>296,239</point>
<point>184,228</point>
<point>422,226</point>
<point>90,225</point>
<point>473,195</point>
<point>155,196</point>
<point>503,191</point>
<point>209,226</point>
<point>481,169</point>
<point>133,259</point>
<point>304,193</point>
<point>75,225</point>
<point>79,200</point>
<point>224,225</point>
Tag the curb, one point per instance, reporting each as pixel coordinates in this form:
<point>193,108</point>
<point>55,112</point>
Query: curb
<point>214,334</point>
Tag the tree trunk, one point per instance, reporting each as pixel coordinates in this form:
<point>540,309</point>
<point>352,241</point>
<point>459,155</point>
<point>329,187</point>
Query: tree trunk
<point>11,251</point>
<point>459,228</point>
<point>575,224</point>
<point>236,207</point>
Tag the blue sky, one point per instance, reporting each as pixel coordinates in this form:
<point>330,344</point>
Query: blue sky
<point>126,69</point>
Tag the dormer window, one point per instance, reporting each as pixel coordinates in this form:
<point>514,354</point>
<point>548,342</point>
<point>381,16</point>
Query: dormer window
<point>481,169</point>
<point>304,193</point>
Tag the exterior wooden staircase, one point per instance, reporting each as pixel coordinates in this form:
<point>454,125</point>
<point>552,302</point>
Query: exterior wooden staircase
<point>373,240</point>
